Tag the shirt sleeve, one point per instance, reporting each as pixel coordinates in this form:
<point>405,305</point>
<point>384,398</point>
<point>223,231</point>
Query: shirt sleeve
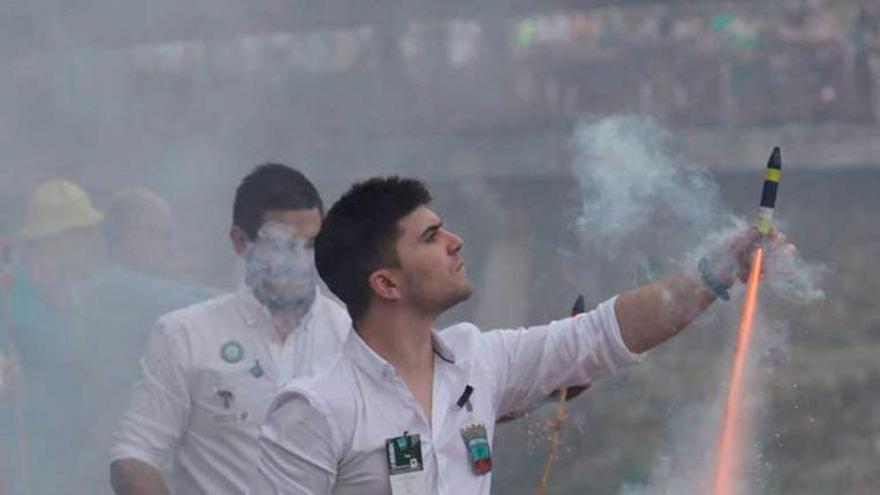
<point>297,456</point>
<point>158,409</point>
<point>530,363</point>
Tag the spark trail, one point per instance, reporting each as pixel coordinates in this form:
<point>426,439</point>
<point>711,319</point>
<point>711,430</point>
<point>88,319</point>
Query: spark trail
<point>730,446</point>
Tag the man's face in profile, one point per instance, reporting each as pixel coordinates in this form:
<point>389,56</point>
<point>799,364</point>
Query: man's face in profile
<point>429,255</point>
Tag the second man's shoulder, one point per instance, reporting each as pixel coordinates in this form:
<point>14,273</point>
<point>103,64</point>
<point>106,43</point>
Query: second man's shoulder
<point>331,310</point>
<point>200,314</point>
<point>332,318</point>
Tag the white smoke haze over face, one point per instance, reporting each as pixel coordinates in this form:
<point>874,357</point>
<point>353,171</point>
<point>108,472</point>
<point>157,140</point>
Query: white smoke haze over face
<point>646,212</point>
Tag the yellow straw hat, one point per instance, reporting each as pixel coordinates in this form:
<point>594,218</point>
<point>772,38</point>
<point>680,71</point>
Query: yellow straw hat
<point>56,206</point>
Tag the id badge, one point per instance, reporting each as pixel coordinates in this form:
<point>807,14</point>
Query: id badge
<point>405,469</point>
<point>476,441</point>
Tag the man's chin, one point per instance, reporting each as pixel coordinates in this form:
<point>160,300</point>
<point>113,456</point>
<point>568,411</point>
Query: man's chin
<point>462,295</point>
<point>467,290</point>
<point>439,305</point>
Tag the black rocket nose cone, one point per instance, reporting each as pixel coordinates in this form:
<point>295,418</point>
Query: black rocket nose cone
<point>771,182</point>
<point>775,160</point>
<point>579,305</point>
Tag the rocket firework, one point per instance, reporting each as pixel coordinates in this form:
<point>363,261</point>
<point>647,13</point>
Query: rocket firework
<point>730,444</point>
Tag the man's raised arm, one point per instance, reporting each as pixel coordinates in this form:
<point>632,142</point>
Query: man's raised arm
<point>531,363</point>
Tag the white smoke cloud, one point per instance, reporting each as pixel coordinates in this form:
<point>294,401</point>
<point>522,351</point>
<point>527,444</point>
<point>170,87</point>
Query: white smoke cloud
<point>636,191</point>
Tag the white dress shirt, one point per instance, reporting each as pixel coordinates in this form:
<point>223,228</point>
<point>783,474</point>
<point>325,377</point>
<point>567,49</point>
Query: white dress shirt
<point>326,433</point>
<point>209,374</point>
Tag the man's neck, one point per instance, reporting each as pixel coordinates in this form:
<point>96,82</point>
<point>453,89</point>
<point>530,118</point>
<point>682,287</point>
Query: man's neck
<point>401,338</point>
<point>286,321</point>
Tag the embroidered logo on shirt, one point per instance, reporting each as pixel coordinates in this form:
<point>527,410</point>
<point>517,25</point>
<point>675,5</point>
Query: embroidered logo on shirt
<point>232,352</point>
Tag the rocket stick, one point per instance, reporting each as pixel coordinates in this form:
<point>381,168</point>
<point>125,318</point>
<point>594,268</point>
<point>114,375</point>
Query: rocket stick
<point>578,308</point>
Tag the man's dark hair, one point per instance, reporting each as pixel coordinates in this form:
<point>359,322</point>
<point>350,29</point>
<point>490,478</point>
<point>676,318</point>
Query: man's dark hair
<point>358,236</point>
<point>271,186</point>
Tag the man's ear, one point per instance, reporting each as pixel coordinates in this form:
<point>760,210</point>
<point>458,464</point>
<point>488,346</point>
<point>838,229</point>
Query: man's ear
<point>239,239</point>
<point>385,284</point>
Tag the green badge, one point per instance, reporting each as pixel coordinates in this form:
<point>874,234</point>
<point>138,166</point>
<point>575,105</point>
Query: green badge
<point>232,352</point>
<point>404,454</point>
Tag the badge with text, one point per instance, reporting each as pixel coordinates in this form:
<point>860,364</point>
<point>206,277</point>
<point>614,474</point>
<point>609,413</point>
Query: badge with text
<point>405,469</point>
<point>476,441</point>
<point>232,352</point>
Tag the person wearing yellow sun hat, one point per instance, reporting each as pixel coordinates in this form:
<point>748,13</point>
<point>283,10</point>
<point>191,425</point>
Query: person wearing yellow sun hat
<point>61,241</point>
<point>56,206</point>
<point>58,244</point>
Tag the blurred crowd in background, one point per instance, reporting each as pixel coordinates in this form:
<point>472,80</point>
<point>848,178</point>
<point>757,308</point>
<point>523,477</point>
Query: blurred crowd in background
<point>737,63</point>
<point>689,63</point>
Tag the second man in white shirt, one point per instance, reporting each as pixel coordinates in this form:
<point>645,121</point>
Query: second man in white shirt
<point>210,371</point>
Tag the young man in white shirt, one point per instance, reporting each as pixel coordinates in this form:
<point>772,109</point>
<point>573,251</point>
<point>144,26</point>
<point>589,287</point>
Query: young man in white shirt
<point>210,371</point>
<point>409,410</point>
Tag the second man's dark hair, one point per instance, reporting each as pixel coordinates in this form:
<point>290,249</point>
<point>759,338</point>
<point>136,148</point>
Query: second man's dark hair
<point>271,186</point>
<point>358,236</point>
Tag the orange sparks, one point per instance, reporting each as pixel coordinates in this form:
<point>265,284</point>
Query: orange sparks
<point>731,434</point>
<point>555,432</point>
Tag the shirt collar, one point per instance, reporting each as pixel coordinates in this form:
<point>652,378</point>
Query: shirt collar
<point>374,365</point>
<point>254,312</point>
<point>441,348</point>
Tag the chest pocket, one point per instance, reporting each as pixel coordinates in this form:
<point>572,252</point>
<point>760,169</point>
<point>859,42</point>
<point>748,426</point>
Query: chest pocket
<point>230,398</point>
